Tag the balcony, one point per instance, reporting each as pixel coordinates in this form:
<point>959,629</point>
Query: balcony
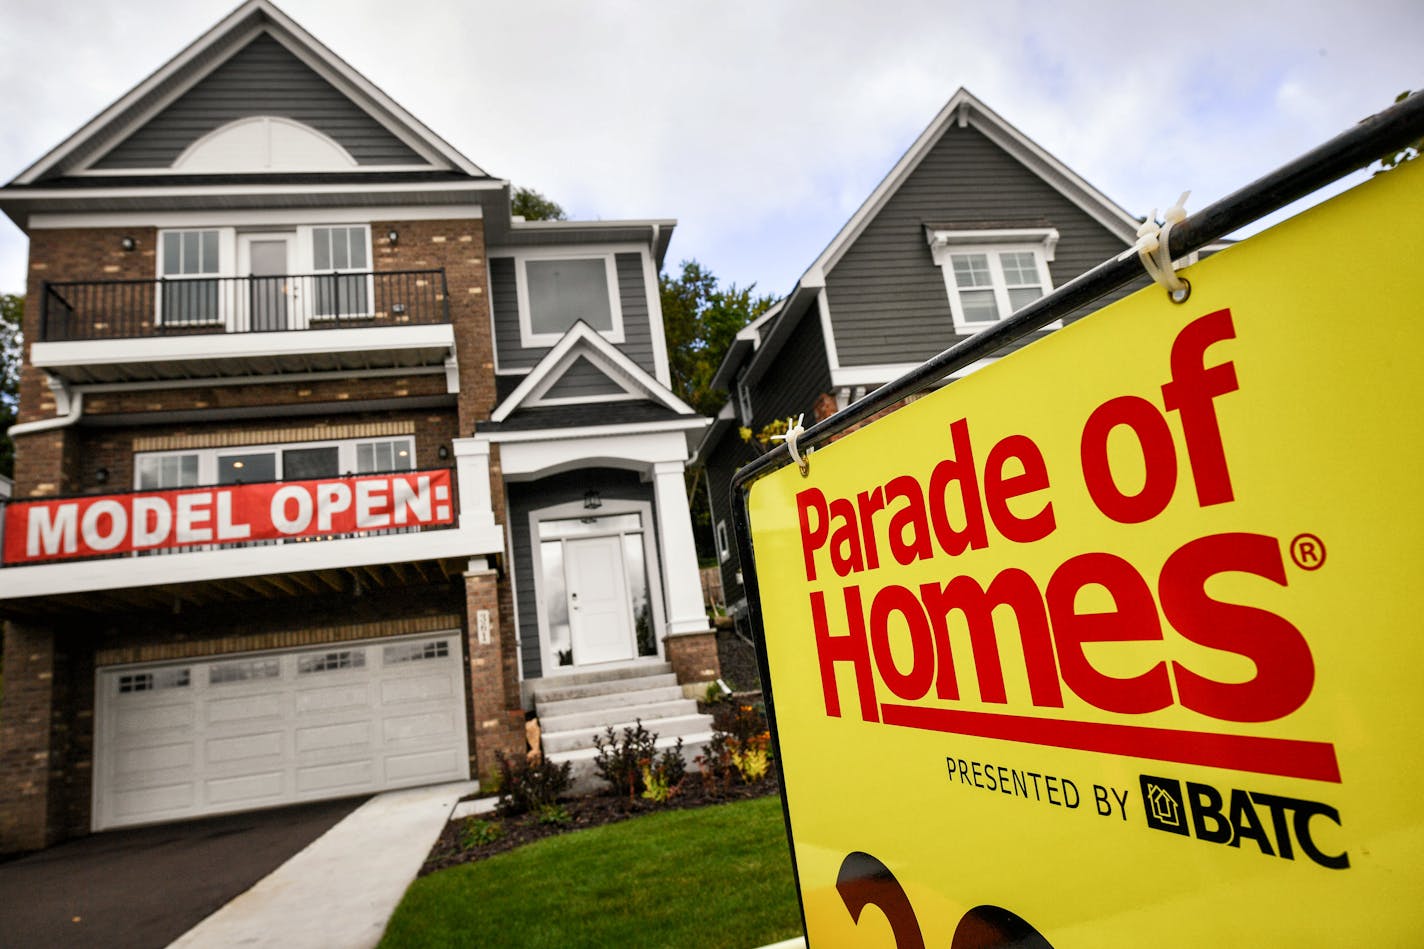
<point>94,332</point>
<point>338,533</point>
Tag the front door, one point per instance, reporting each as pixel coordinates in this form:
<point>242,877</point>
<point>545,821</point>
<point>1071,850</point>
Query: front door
<point>270,286</point>
<point>599,623</point>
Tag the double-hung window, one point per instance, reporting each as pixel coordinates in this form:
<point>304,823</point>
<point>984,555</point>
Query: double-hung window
<point>991,274</point>
<point>341,268</point>
<point>188,262</point>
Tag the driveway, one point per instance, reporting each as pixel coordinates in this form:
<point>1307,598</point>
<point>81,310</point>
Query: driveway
<point>143,888</point>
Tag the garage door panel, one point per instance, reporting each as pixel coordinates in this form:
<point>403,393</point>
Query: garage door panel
<point>352,775</point>
<point>254,789</point>
<point>205,737</point>
<point>149,758</point>
<point>314,699</point>
<point>145,719</point>
<point>245,708</point>
<point>424,765</point>
<point>422,688</point>
<point>137,803</point>
<point>241,747</point>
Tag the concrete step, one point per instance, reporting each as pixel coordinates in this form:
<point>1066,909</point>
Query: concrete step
<point>600,717</point>
<point>584,778</point>
<point>605,675</point>
<point>559,693</point>
<point>608,700</point>
<point>582,738</point>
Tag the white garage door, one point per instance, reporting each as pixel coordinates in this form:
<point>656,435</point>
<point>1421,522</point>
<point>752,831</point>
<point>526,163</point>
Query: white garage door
<point>228,734</point>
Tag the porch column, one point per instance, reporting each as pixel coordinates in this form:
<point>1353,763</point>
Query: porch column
<point>472,475</point>
<point>679,551</point>
<point>498,728</point>
<point>26,736</point>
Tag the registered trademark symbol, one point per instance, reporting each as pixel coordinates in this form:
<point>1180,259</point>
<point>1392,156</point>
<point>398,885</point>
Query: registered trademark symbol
<point>1308,552</point>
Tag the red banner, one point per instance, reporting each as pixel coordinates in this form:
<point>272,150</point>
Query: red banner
<point>152,520</point>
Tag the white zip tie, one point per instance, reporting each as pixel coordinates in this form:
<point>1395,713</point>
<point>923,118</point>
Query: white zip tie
<point>793,432</point>
<point>1152,244</point>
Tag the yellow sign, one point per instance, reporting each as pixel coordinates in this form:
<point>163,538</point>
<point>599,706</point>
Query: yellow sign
<point>1120,640</point>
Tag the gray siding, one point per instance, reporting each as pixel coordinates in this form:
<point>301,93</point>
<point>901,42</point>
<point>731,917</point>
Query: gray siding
<point>801,375</point>
<point>887,297</point>
<point>263,78</point>
<point>632,291</point>
<point>524,498</point>
<point>583,380</point>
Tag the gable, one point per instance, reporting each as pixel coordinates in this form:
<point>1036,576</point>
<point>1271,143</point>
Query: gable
<point>581,380</point>
<point>263,78</point>
<point>887,296</point>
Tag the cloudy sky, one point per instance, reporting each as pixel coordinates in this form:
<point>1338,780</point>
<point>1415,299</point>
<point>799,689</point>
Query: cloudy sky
<point>761,126</point>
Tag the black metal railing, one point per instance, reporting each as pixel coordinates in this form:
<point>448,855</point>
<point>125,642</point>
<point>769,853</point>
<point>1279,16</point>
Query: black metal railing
<point>178,306</point>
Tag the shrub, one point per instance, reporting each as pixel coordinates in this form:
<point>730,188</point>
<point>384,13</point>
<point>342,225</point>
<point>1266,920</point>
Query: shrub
<point>554,814</point>
<point>525,787</point>
<point>629,763</point>
<point>480,832</point>
<point>740,748</point>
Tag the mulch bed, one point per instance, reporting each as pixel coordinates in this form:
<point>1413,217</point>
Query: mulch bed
<point>584,812</point>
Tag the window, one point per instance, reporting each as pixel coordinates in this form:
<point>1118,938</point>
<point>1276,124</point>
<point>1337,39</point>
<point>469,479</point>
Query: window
<point>724,549</point>
<point>415,652</point>
<point>744,399</point>
<point>153,681</point>
<point>555,292</point>
<point>303,461</point>
<point>991,274</point>
<point>184,258</point>
<point>336,252</point>
<point>244,671</point>
<point>332,661</point>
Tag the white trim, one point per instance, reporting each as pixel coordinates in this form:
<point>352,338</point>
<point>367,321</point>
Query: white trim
<point>97,388</point>
<point>528,339</point>
<point>828,329</point>
<point>259,189</point>
<point>662,369</point>
<point>121,572</point>
<point>256,217</point>
<point>600,431</point>
<point>724,545</point>
<point>584,339</point>
<point>533,458</point>
<point>347,463</point>
<point>1018,145</point>
<point>240,345</point>
<point>216,143</point>
<point>536,397</point>
<point>945,245</point>
<point>879,375</point>
<point>613,225</point>
<point>651,557</point>
<point>302,44</point>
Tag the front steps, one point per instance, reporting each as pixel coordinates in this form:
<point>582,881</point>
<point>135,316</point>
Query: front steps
<point>573,709</point>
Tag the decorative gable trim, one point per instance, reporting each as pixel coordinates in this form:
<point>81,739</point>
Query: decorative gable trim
<point>582,341</point>
<point>207,53</point>
<point>964,109</point>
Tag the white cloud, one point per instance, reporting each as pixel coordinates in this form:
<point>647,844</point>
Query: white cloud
<point>761,127</point>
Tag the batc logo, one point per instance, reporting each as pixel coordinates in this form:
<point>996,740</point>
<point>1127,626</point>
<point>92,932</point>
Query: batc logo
<point>1275,824</point>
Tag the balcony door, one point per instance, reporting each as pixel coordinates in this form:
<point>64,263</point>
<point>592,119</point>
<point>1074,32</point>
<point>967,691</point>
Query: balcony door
<point>268,260</point>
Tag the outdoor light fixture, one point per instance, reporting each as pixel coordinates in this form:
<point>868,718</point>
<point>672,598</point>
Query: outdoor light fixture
<point>444,452</point>
<point>128,243</point>
<point>392,236</point>
<point>101,476</point>
<point>591,501</point>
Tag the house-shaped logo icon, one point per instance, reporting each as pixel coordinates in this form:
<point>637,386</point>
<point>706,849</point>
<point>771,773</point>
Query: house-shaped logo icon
<point>1163,804</point>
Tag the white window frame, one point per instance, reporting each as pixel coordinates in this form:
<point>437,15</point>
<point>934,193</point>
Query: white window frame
<point>724,547</point>
<point>227,263</point>
<point>210,458</point>
<point>744,399</point>
<point>944,244</point>
<point>532,340</point>
<point>306,251</point>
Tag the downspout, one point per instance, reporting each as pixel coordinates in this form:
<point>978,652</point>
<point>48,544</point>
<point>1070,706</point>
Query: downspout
<point>70,404</point>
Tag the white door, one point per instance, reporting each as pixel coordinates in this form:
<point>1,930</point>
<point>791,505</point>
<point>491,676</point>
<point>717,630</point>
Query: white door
<point>215,735</point>
<point>269,299</point>
<point>599,621</point>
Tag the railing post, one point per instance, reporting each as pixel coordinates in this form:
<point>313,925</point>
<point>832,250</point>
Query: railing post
<point>444,296</point>
<point>44,309</point>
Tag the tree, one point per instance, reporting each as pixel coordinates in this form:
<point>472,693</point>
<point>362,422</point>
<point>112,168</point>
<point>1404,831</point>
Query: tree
<point>1410,151</point>
<point>702,319</point>
<point>533,206</point>
<point>12,314</point>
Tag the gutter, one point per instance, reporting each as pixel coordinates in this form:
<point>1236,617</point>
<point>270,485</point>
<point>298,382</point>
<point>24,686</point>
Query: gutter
<point>70,404</point>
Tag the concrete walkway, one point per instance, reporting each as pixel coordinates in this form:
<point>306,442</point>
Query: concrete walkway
<point>340,891</point>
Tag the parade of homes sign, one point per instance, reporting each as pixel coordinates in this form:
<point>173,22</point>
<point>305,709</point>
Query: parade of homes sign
<point>1119,641</point>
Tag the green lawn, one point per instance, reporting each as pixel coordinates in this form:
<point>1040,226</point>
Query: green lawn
<point>714,876</point>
